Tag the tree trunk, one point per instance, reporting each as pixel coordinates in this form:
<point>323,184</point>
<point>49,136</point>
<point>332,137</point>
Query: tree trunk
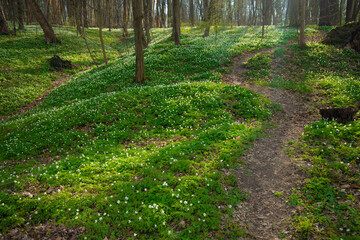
<point>4,28</point>
<point>191,12</point>
<point>84,14</point>
<point>293,13</point>
<point>206,18</point>
<point>147,9</point>
<point>78,13</point>
<point>351,10</point>
<point>20,14</point>
<point>50,36</point>
<point>138,30</point>
<point>176,21</point>
<point>170,11</point>
<point>324,19</point>
<point>125,18</point>
<point>100,31</point>
<point>333,12</point>
<point>314,10</point>
<point>267,9</point>
<point>162,13</point>
<point>302,25</point>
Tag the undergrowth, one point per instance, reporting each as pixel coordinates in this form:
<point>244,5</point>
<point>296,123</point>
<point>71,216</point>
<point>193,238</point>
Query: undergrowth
<point>25,72</point>
<point>147,161</point>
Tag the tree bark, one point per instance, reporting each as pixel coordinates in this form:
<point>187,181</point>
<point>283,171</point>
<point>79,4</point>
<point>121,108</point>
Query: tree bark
<point>147,9</point>
<point>4,28</point>
<point>314,10</point>
<point>125,18</point>
<point>191,12</point>
<point>170,11</point>
<point>20,14</point>
<point>293,13</point>
<point>138,30</point>
<point>176,21</point>
<point>206,18</point>
<point>302,25</point>
<point>100,31</point>
<point>324,19</point>
<point>78,13</point>
<point>333,6</point>
<point>50,36</point>
<point>162,13</point>
<point>84,14</point>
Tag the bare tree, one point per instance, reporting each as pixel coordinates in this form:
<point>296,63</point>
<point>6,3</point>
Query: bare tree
<point>191,12</point>
<point>176,21</point>
<point>147,14</point>
<point>324,19</point>
<point>302,25</point>
<point>20,14</point>
<point>138,30</point>
<point>352,10</point>
<point>125,17</point>
<point>100,30</point>
<point>50,36</point>
<point>4,28</point>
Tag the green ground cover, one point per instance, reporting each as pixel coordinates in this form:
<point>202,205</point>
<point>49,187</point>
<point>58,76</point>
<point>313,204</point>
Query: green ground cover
<point>25,72</point>
<point>146,161</point>
<point>328,203</point>
<point>330,197</point>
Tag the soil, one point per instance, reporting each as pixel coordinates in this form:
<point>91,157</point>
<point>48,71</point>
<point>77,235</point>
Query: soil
<point>270,175</point>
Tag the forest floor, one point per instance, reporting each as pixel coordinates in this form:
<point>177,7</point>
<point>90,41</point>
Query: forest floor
<point>270,175</point>
<point>298,180</point>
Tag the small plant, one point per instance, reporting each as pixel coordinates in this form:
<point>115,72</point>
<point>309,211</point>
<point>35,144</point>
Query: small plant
<point>304,227</point>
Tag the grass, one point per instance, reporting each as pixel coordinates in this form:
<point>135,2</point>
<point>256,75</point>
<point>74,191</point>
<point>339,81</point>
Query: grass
<point>25,72</point>
<point>328,202</point>
<point>124,160</point>
<point>329,196</point>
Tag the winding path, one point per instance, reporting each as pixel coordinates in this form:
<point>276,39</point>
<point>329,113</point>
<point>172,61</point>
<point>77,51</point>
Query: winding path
<point>270,174</point>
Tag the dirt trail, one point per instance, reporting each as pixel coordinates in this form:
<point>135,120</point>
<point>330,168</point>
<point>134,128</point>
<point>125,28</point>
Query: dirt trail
<point>269,170</point>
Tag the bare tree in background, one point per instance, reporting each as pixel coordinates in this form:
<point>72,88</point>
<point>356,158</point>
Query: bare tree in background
<point>147,15</point>
<point>138,30</point>
<point>50,36</point>
<point>176,21</point>
<point>20,14</point>
<point>302,25</point>
<point>4,28</point>
<point>100,30</point>
<point>125,18</point>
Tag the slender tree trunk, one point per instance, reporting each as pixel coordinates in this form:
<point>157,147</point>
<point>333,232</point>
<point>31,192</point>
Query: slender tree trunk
<point>191,12</point>
<point>147,9</point>
<point>206,18</point>
<point>333,8</point>
<point>13,16</point>
<point>170,11</point>
<point>85,14</point>
<point>138,30</point>
<point>78,13</point>
<point>50,36</point>
<point>100,31</point>
<point>293,13</point>
<point>302,25</point>
<point>20,14</point>
<point>176,22</point>
<point>4,28</point>
<point>162,13</point>
<point>350,10</point>
<point>125,18</point>
<point>324,19</point>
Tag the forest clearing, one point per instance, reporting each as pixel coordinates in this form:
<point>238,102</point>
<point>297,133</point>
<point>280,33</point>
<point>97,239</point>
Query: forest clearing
<point>222,138</point>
